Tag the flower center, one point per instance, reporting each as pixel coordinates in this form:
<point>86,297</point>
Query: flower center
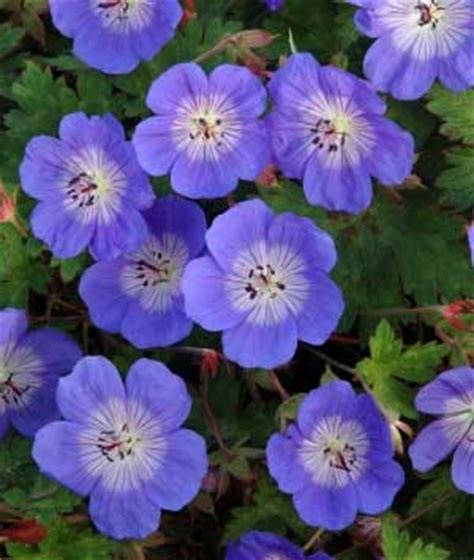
<point>153,273</point>
<point>430,13</point>
<point>115,9</point>
<point>339,454</point>
<point>263,281</point>
<point>84,189</point>
<point>117,445</point>
<point>331,134</point>
<point>11,391</point>
<point>207,128</point>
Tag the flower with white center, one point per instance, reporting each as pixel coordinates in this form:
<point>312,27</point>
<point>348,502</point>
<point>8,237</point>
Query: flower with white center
<point>259,545</point>
<point>123,445</point>
<point>116,35</point>
<point>336,459</point>
<point>30,366</point>
<point>139,294</point>
<point>90,187</point>
<point>417,42</point>
<point>451,397</point>
<point>265,284</point>
<point>206,130</point>
<point>328,130</point>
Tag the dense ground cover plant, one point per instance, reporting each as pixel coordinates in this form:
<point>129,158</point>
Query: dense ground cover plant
<point>236,294</point>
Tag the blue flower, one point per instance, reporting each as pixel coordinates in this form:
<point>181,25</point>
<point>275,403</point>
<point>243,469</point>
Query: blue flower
<point>265,284</point>
<point>139,294</point>
<point>206,130</point>
<point>337,458</point>
<point>115,35</point>
<point>418,41</point>
<point>123,446</point>
<point>328,129</point>
<point>90,187</point>
<point>258,545</point>
<point>274,5</point>
<point>30,366</point>
<point>451,397</point>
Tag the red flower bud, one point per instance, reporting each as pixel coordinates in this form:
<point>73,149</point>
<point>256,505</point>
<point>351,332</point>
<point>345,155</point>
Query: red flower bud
<point>27,531</point>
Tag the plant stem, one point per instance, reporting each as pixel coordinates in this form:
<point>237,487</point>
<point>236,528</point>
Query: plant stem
<point>313,540</point>
<point>284,395</point>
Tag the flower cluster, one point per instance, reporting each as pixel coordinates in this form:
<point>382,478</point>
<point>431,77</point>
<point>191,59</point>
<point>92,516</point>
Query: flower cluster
<point>261,279</point>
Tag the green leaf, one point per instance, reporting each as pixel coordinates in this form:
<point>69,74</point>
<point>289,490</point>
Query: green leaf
<point>455,109</point>
<point>10,37</point>
<point>42,101</point>
<point>456,180</point>
<point>390,361</point>
<point>398,545</point>
<point>95,93</point>
<point>270,511</point>
<point>450,511</point>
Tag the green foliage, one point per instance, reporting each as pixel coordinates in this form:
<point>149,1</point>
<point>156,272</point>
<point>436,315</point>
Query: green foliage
<point>456,180</point>
<point>270,511</point>
<point>447,504</point>
<point>20,269</point>
<point>10,37</point>
<point>455,109</point>
<point>390,367</point>
<point>398,545</point>
<point>66,542</point>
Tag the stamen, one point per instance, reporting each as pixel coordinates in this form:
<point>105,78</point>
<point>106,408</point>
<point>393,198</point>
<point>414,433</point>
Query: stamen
<point>117,444</point>
<point>262,282</point>
<point>430,13</point>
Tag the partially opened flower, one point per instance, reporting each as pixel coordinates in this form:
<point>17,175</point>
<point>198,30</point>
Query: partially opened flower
<point>265,284</point>
<point>206,130</point>
<point>336,459</point>
<point>90,187</point>
<point>258,545</point>
<point>123,446</point>
<point>418,41</point>
<point>328,129</point>
<point>139,294</point>
<point>451,397</point>
<point>116,35</point>
<point>30,366</point>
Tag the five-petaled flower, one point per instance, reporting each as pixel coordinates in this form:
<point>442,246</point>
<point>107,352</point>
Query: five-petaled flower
<point>265,284</point>
<point>139,294</point>
<point>90,187</point>
<point>115,35</point>
<point>123,446</point>
<point>328,130</point>
<point>259,545</point>
<point>337,458</point>
<point>451,397</point>
<point>30,366</point>
<point>206,130</point>
<point>418,41</point>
